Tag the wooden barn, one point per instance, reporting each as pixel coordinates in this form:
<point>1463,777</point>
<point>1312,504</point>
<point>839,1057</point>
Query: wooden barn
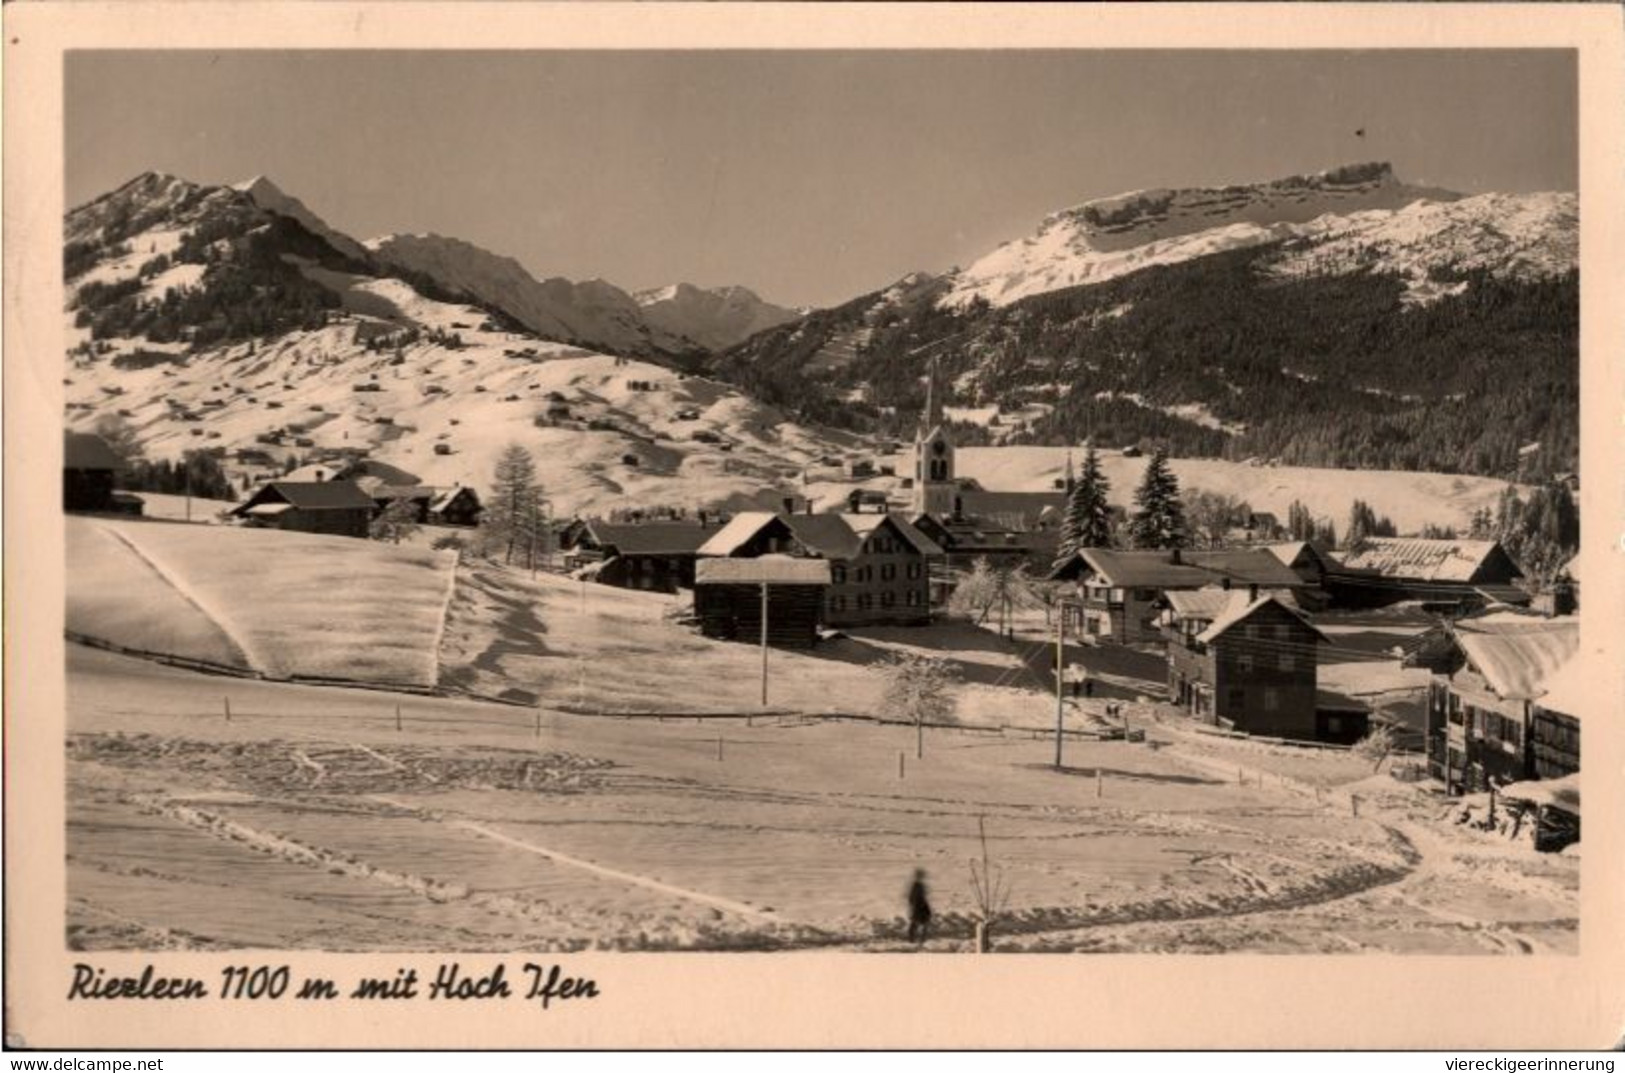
<point>1448,574</point>
<point>89,468</point>
<point>1247,661</point>
<point>729,596</point>
<point>335,507</point>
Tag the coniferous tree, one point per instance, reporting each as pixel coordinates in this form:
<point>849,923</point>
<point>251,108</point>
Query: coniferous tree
<point>1159,521</point>
<point>1088,521</point>
<point>513,518</point>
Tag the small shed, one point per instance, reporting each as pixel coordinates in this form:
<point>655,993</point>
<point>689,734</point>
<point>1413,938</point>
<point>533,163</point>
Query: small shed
<point>728,598</point>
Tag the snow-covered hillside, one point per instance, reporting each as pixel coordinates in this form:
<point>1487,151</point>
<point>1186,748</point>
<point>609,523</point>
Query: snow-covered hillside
<point>715,318</point>
<point>1359,216</point>
<point>435,387</point>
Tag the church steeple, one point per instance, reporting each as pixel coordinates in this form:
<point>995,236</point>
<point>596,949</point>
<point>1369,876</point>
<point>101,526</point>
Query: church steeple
<point>932,416</point>
<point>934,483</point>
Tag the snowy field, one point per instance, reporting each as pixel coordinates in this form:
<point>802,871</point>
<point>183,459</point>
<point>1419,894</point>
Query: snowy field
<point>278,603</point>
<point>310,821</point>
<point>605,804</point>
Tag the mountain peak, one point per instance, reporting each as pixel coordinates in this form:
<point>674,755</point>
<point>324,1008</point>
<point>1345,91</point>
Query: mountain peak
<point>1110,236</point>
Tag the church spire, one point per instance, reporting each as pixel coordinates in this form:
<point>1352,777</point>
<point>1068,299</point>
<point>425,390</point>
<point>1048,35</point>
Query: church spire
<point>932,417</point>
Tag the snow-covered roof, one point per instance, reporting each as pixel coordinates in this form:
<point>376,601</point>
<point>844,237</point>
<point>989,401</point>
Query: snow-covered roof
<point>740,528</point>
<point>768,569</point>
<point>1564,792</point>
<point>1241,608</point>
<point>1517,653</point>
<point>1208,603</point>
<point>1422,559</point>
<point>1573,689</point>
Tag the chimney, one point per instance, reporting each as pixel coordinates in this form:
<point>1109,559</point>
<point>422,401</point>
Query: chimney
<point>789,504</point>
<point>809,505</point>
<point>1252,593</point>
<point>1225,583</point>
<point>702,519</point>
<point>1175,558</point>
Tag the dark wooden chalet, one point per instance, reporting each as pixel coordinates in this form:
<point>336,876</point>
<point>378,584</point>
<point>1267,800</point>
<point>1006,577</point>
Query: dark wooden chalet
<point>729,595</point>
<point>1452,575</point>
<point>1120,593</point>
<point>879,563</point>
<point>657,556</point>
<point>1485,698</point>
<point>89,469</point>
<point>1247,661</point>
<point>336,507</point>
<point>458,505</point>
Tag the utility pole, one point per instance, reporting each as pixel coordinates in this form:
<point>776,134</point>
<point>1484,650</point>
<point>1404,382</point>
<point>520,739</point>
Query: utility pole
<point>764,644</point>
<point>1060,697</point>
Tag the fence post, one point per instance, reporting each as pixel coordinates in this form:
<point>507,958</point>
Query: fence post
<point>1354,804</point>
<point>227,702</point>
<point>719,747</point>
<point>1100,783</point>
<point>900,763</point>
<point>397,717</point>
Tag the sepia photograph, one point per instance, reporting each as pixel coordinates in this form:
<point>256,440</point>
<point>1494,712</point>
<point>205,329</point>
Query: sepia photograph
<point>817,500</point>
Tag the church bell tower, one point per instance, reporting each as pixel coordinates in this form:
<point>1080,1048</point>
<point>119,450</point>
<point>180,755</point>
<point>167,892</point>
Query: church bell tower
<point>934,483</point>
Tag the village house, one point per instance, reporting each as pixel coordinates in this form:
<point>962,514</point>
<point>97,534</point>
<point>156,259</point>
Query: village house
<point>655,556</point>
<point>1121,593</point>
<point>1446,574</point>
<point>879,563</point>
<point>89,470</point>
<point>457,506</point>
<point>730,596</point>
<point>1247,661</point>
<point>336,507</point>
<point>1485,699</point>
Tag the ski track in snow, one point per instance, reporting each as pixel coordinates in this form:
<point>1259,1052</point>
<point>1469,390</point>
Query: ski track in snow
<point>253,659</point>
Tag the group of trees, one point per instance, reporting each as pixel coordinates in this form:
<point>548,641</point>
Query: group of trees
<point>198,473</point>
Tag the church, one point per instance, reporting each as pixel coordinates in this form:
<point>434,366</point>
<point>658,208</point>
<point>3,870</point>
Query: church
<point>969,521</point>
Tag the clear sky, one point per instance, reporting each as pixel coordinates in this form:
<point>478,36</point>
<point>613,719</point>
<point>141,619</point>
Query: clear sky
<point>810,177</point>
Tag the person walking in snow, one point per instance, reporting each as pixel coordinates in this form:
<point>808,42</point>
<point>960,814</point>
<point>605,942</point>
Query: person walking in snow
<point>919,908</point>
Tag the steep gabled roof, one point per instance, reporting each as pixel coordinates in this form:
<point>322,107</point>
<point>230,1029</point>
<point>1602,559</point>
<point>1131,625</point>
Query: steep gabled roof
<point>1242,608</point>
<point>865,524</point>
<point>1014,510</point>
<point>740,528</point>
<point>1420,559</point>
<point>826,535</point>
<point>84,450</point>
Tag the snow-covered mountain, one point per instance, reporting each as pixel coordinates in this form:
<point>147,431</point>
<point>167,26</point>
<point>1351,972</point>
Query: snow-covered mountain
<point>716,317</point>
<point>1358,216</point>
<point>592,313</point>
<point>268,196</point>
<point>208,318</point>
